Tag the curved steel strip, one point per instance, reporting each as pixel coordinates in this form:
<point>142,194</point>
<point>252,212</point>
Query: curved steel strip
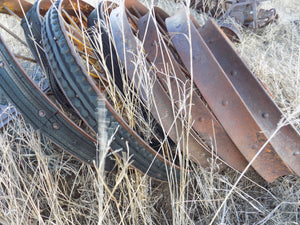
<point>127,48</point>
<point>19,6</point>
<point>203,121</point>
<point>100,19</point>
<point>82,90</point>
<point>100,40</point>
<point>163,110</point>
<point>41,113</point>
<point>16,6</point>
<point>136,8</point>
<point>222,97</point>
<point>260,104</point>
<point>32,25</point>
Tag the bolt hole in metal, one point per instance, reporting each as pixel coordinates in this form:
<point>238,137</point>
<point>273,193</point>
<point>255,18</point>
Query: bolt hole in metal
<point>265,115</point>
<point>55,126</point>
<point>225,102</point>
<point>42,113</point>
<point>233,73</point>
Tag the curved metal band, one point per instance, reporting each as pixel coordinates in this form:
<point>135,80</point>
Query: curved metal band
<point>100,40</point>
<point>34,40</point>
<point>222,97</point>
<point>203,121</point>
<point>163,109</point>
<point>82,90</point>
<point>20,6</point>
<point>263,109</point>
<point>41,113</point>
<point>16,6</point>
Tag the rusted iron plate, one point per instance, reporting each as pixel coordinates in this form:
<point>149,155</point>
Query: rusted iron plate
<point>136,8</point>
<point>21,7</point>
<point>222,98</point>
<point>18,7</point>
<point>162,110</point>
<point>175,81</point>
<point>260,104</point>
<point>127,48</point>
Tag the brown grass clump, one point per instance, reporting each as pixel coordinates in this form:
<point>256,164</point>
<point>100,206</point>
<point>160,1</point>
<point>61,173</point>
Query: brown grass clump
<point>40,184</point>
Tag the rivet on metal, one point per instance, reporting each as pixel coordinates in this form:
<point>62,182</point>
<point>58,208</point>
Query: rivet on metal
<point>54,38</point>
<point>265,115</point>
<point>55,126</point>
<point>42,113</point>
<point>233,73</point>
<point>201,119</point>
<point>225,102</point>
<point>122,138</point>
<point>1,64</point>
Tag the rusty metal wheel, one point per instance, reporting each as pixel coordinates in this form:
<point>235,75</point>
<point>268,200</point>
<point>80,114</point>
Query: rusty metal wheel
<point>187,79</point>
<point>32,25</point>
<point>41,113</point>
<point>38,107</point>
<point>83,92</point>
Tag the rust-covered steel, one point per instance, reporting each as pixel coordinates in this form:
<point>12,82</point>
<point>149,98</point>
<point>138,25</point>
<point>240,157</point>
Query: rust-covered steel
<point>223,99</point>
<point>21,7</point>
<point>162,109</point>
<point>259,103</point>
<point>203,121</point>
<point>203,97</point>
<point>17,7</point>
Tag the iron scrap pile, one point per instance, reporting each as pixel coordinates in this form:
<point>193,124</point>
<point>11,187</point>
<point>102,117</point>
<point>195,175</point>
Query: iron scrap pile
<point>200,88</point>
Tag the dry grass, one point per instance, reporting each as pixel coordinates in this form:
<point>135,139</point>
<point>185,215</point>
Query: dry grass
<point>40,184</point>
